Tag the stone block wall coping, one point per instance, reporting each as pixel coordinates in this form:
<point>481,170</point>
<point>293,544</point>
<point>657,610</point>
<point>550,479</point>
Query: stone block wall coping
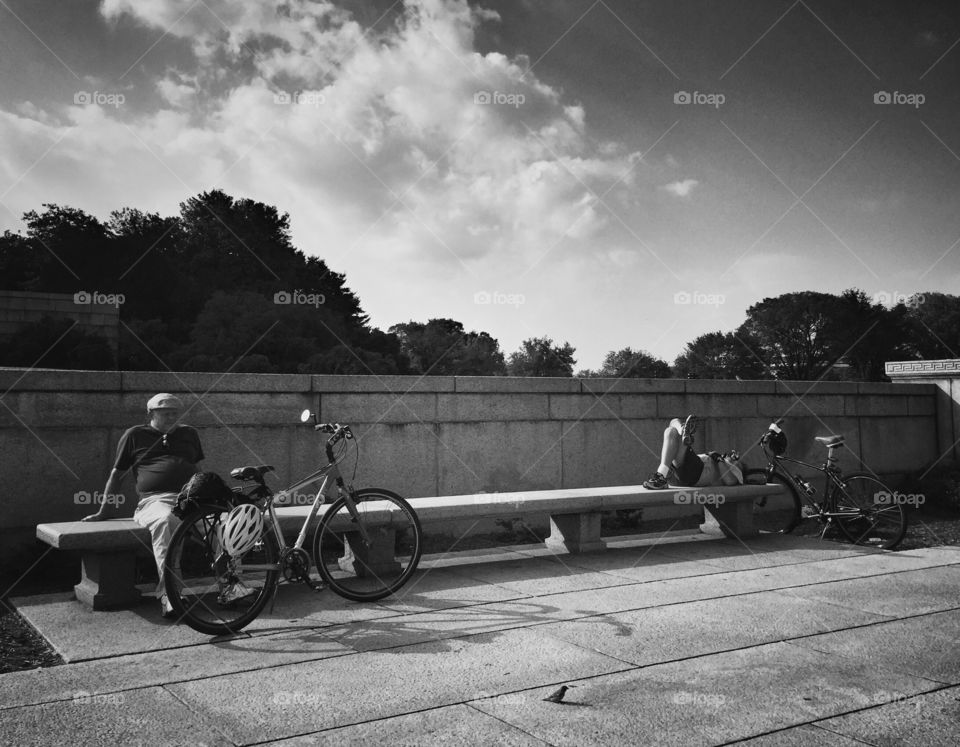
<point>945,368</point>
<point>19,379</point>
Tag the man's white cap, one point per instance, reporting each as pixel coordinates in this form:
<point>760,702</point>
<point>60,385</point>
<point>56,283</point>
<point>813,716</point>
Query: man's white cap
<point>164,401</point>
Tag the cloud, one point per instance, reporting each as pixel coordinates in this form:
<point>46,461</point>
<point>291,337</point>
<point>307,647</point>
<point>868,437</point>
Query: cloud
<point>398,146</point>
<point>681,188</point>
<point>402,140</point>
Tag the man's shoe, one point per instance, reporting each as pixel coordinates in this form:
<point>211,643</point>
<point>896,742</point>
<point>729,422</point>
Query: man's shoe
<point>234,592</point>
<point>689,428</point>
<point>166,609</point>
<point>656,481</point>
<point>809,512</point>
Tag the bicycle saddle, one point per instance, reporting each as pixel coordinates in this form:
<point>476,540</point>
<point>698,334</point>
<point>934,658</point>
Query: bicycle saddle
<point>250,473</point>
<point>831,442</point>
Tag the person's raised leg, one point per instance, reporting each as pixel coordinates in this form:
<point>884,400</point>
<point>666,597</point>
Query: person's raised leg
<point>676,439</point>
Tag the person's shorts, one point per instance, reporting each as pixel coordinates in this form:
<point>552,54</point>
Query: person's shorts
<point>689,468</point>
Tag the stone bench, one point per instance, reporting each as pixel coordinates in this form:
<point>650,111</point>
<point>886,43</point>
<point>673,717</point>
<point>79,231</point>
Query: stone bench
<point>109,548</point>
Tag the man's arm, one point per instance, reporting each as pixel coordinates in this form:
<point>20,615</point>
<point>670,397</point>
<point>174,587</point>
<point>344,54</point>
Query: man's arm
<point>110,505</point>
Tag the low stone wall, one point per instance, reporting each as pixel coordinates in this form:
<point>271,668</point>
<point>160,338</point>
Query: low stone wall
<point>93,311</point>
<point>945,376</point>
<point>428,436</point>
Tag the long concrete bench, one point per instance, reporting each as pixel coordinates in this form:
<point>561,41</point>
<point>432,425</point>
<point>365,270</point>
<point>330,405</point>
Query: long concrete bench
<point>109,549</point>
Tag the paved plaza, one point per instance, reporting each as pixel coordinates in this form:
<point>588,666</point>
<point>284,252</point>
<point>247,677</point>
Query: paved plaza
<point>686,641</point>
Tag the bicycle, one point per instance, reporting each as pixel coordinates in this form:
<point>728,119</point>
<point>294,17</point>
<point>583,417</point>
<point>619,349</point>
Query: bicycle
<point>225,559</point>
<point>863,507</point>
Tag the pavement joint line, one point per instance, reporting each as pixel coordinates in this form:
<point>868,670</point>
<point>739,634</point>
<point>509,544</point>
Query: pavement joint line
<point>198,716</point>
<point>321,627</point>
<point>881,667</point>
<point>817,722</point>
<point>630,666</point>
<point>515,727</point>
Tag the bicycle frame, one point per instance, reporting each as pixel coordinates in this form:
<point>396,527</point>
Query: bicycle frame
<point>330,474</point>
<point>832,482</point>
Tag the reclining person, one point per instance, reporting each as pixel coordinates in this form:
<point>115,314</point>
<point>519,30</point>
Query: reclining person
<point>682,466</point>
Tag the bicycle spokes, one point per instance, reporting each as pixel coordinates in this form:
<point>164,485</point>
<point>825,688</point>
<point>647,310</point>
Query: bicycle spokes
<point>366,551</point>
<point>866,514</point>
<point>212,591</point>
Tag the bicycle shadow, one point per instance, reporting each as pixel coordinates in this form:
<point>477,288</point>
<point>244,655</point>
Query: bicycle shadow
<point>420,633</point>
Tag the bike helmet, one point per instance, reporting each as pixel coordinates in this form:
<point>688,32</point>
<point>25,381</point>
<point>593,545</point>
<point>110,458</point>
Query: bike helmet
<point>242,529</point>
<point>776,439</point>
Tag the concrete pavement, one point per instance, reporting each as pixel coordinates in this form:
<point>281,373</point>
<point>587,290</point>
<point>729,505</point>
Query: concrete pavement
<point>686,641</point>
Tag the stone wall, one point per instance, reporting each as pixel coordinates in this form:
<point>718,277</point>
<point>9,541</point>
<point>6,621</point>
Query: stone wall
<point>431,436</point>
<point>21,307</point>
<point>945,376</point>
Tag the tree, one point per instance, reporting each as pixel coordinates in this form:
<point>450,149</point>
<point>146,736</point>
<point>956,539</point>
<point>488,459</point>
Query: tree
<point>197,286</point>
<point>57,343</point>
<point>934,323</point>
<point>538,356</point>
<point>867,334</point>
<point>719,355</point>
<point>442,347</point>
<point>630,364</point>
<point>795,333</point>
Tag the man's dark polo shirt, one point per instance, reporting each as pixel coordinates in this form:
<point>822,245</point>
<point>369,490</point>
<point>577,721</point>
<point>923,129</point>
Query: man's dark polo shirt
<point>160,465</point>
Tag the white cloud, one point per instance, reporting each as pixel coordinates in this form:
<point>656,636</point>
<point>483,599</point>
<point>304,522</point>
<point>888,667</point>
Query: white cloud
<point>681,188</point>
<point>389,167</point>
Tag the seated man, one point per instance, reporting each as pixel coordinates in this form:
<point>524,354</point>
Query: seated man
<point>163,455</point>
<point>687,468</point>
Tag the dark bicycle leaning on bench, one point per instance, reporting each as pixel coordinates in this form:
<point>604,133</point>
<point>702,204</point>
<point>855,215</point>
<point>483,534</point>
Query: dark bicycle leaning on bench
<point>366,546</point>
<point>862,506</point>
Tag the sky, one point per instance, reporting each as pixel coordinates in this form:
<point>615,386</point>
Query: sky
<point>608,173</point>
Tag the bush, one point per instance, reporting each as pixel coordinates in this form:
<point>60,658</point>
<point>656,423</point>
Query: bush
<point>940,486</point>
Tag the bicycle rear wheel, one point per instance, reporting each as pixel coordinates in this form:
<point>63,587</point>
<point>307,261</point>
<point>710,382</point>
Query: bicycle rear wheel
<point>368,571</point>
<point>776,514</point>
<point>210,591</point>
<point>875,518</point>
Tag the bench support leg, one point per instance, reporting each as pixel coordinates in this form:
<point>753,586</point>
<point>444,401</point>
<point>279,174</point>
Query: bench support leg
<point>377,560</point>
<point>575,533</point>
<point>108,580</point>
<point>734,520</point>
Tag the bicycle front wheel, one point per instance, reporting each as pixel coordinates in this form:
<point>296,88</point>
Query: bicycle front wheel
<point>871,515</point>
<point>210,591</point>
<point>367,568</point>
<point>776,514</point>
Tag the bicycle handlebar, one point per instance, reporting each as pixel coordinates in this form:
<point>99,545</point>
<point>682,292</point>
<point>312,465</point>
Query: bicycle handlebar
<point>337,431</point>
<point>774,427</point>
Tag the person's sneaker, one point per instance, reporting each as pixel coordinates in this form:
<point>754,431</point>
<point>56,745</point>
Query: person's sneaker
<point>166,609</point>
<point>234,592</point>
<point>689,428</point>
<point>656,481</point>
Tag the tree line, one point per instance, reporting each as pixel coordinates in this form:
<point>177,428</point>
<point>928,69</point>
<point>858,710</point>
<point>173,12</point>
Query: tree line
<point>220,287</point>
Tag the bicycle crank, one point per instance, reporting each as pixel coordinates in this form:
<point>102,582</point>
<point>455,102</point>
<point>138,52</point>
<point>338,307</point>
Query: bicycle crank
<point>295,563</point>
